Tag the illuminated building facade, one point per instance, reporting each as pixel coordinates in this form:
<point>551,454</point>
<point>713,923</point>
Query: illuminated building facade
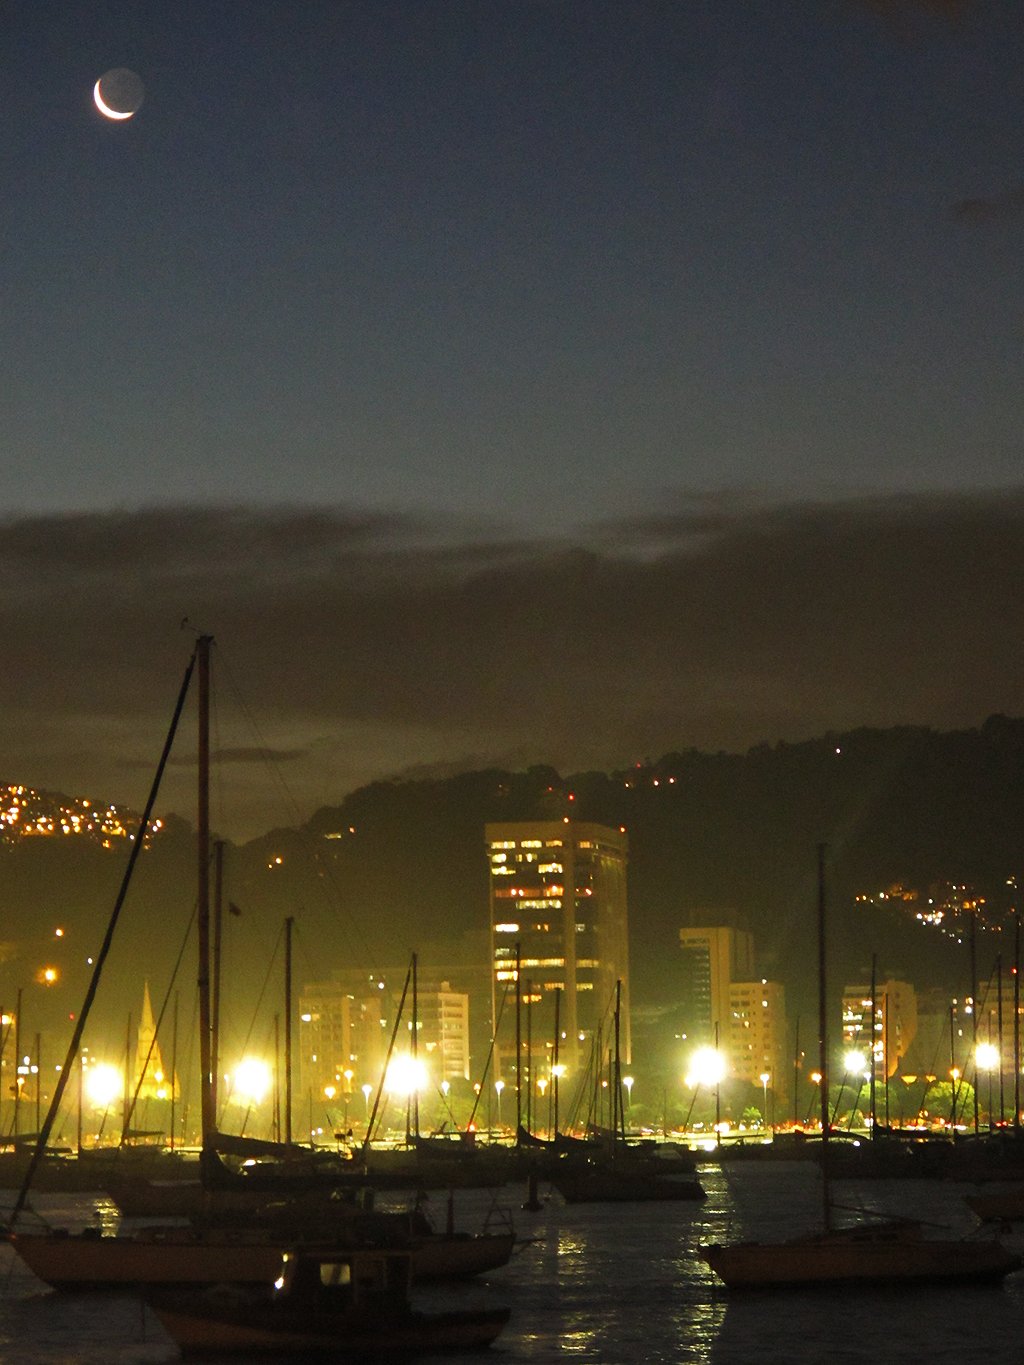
<point>444,1032</point>
<point>726,1003</point>
<point>346,1025</point>
<point>757,1035</point>
<point>558,894</point>
<point>895,1024</point>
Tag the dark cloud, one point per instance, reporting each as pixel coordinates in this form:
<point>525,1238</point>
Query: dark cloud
<point>347,651</point>
<point>231,756</point>
<point>904,9</point>
<point>996,208</point>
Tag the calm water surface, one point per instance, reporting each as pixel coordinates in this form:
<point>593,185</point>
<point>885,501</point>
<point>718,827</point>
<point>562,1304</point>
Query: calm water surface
<point>620,1286</point>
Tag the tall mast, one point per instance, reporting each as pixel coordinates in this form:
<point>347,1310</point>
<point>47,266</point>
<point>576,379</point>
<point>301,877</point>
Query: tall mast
<point>1016,1013</point>
<point>414,1098</point>
<point>823,1037</point>
<point>872,1081</point>
<point>76,1038</point>
<point>618,1114</point>
<point>519,1047</point>
<point>218,906</point>
<point>208,1116</point>
<point>999,1035</point>
<point>289,922</point>
<point>555,1065</point>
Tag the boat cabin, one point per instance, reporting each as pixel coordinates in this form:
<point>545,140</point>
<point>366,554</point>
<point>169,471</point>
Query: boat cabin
<point>369,1278</point>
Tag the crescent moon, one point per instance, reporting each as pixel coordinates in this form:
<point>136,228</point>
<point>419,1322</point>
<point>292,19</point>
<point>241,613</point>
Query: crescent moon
<point>105,109</point>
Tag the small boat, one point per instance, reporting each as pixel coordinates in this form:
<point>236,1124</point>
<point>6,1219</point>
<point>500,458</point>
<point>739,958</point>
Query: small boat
<point>351,1306</point>
<point>620,1179</point>
<point>881,1252</point>
<point>1004,1205</point>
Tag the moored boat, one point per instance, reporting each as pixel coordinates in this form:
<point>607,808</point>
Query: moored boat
<point>623,1179</point>
<point>875,1253</point>
<point>352,1306</point>
<point>177,1255</point>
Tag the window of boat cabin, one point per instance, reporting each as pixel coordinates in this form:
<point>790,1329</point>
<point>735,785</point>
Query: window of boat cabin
<point>335,1274</point>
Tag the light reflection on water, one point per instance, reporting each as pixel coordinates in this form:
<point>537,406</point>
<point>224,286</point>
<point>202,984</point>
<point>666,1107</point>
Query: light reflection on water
<point>623,1285</point>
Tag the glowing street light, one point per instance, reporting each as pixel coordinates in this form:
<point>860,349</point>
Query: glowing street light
<point>499,1086</point>
<point>103,1084</point>
<point>986,1055</point>
<point>406,1075</point>
<point>986,1058</point>
<point>707,1067</point>
<point>627,1081</point>
<point>764,1078</point>
<point>367,1090</point>
<point>252,1081</point>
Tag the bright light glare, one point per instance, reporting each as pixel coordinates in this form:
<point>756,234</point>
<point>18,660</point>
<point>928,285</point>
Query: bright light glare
<point>987,1056</point>
<point>405,1076</point>
<point>103,1084</point>
<point>707,1067</point>
<point>854,1063</point>
<point>252,1080</point>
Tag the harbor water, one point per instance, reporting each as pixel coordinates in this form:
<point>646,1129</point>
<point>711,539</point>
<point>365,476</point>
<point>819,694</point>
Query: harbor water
<point>619,1285</point>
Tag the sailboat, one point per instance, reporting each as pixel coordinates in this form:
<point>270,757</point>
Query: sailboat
<point>214,1253</point>
<point>346,1305</point>
<point>890,1252</point>
<point>616,1173</point>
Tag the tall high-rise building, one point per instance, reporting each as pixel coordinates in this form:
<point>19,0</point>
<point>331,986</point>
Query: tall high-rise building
<point>757,1035</point>
<point>558,899</point>
<point>712,959</point>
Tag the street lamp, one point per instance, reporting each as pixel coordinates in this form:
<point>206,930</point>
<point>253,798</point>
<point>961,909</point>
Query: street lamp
<point>765,1078</point>
<point>627,1081</point>
<point>815,1079</point>
<point>986,1058</point>
<point>499,1086</point>
<point>707,1067</point>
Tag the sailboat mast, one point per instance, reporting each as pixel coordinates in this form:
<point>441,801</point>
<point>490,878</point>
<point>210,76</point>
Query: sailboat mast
<point>208,1117</point>
<point>289,922</point>
<point>618,1114</point>
<point>1016,1015</point>
<point>823,1035</point>
<point>218,904</point>
<point>414,1098</point>
<point>76,1038</point>
<point>556,1066</point>
<point>519,1046</point>
<point>872,1080</point>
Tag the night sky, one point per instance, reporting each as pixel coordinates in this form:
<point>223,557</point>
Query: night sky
<point>505,382</point>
